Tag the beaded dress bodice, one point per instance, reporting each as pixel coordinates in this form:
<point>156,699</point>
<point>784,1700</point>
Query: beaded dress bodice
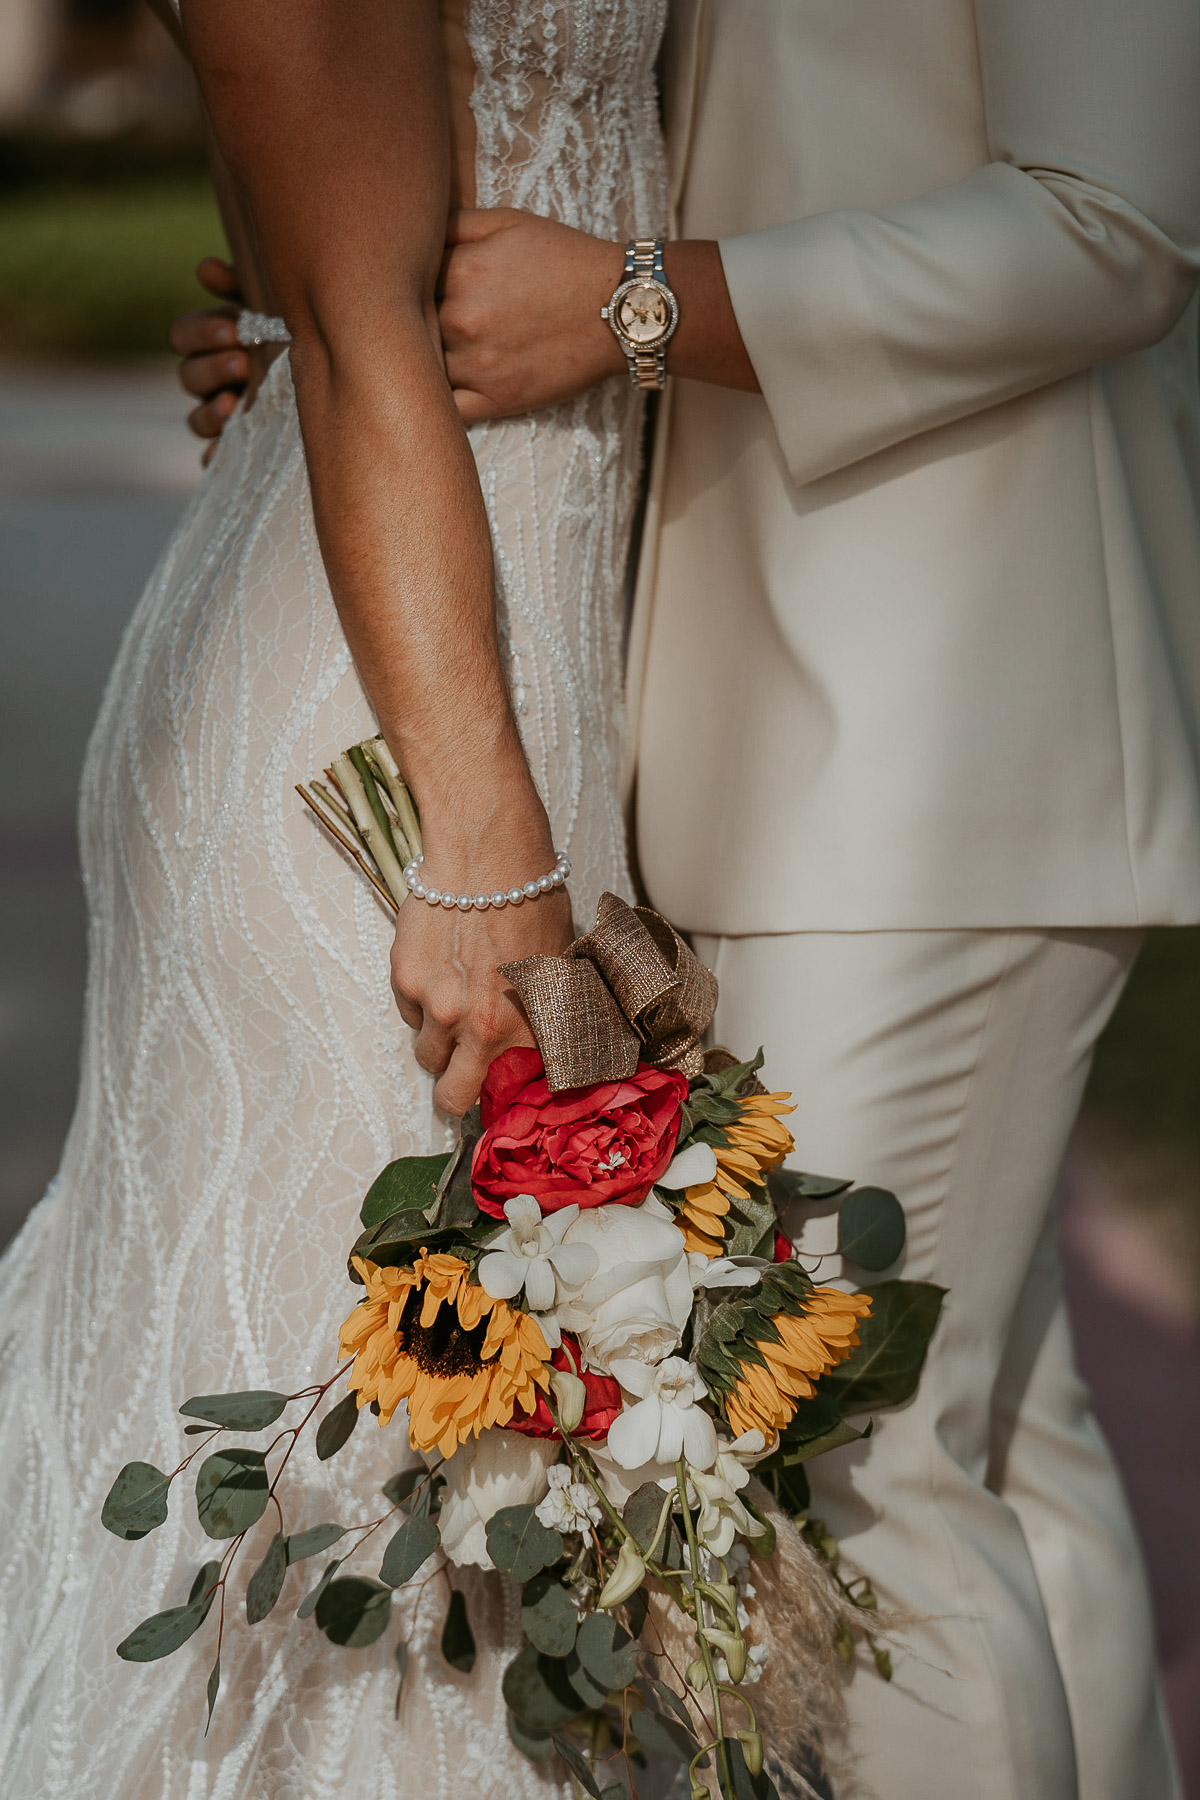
<point>245,1073</point>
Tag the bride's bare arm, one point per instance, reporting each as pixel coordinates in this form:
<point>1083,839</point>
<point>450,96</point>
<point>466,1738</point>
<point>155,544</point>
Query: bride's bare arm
<point>331,119</point>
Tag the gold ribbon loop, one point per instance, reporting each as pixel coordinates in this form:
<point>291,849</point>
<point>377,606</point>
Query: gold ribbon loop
<point>630,991</point>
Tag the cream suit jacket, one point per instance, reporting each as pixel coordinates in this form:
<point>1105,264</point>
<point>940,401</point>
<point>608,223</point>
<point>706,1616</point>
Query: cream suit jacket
<point>917,635</point>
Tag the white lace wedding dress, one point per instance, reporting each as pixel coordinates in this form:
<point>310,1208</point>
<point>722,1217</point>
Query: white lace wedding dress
<point>244,1071</point>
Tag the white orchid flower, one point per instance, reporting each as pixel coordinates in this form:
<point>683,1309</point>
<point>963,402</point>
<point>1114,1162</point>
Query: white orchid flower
<point>665,1422</point>
<point>532,1255</point>
<point>724,1271</point>
<point>691,1168</point>
<point>722,1513</point>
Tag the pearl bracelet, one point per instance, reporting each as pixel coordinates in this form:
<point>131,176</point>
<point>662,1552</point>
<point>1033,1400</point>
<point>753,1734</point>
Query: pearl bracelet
<point>480,902</point>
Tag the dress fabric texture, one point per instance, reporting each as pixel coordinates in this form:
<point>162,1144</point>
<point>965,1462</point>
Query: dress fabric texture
<point>245,1073</point>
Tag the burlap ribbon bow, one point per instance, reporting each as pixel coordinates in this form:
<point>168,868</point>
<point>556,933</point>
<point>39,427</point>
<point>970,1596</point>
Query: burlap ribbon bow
<point>630,991</point>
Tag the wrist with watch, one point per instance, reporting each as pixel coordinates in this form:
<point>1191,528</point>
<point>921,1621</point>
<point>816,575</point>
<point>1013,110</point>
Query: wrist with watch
<point>643,313</point>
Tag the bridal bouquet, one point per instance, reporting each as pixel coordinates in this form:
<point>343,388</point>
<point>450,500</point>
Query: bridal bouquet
<point>613,1368</point>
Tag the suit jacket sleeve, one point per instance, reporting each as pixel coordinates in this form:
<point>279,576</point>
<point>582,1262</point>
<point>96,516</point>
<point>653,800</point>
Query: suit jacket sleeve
<point>1079,241</point>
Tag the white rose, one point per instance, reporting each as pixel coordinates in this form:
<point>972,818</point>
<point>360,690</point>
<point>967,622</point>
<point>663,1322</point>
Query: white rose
<point>635,1306</point>
<point>499,1468</point>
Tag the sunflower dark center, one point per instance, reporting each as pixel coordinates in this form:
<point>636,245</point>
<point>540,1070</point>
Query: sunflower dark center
<point>444,1348</point>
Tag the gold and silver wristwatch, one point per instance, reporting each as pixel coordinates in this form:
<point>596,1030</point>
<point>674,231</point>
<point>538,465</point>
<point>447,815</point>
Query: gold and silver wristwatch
<point>643,313</point>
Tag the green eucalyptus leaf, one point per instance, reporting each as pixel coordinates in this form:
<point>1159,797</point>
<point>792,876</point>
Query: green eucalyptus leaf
<point>607,1651</point>
<point>842,1433</point>
<point>354,1611</point>
<point>458,1640</point>
<point>663,1736</point>
<point>637,1609</point>
<point>792,1184</point>
<point>231,1491</point>
<point>538,1746</point>
<point>198,1430</point>
<point>871,1228</point>
<point>398,1488</point>
<point>266,1584</point>
<point>137,1501</point>
<point>454,1205</point>
<point>645,1515</point>
<point>337,1425</point>
<point>580,1768</point>
<point>309,1602</point>
<point>616,1790</point>
<point>670,1698</point>
<point>407,1185</point>
<point>416,1540</point>
<point>252,1411</point>
<point>163,1633</point>
<point>549,1616</point>
<point>588,1691</point>
<point>519,1544</point>
<point>312,1541</point>
<point>214,1683</point>
<point>536,1689</point>
<point>401,1671</point>
<point>204,1587</point>
<point>886,1366</point>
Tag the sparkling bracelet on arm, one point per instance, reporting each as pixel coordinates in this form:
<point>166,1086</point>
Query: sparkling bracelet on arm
<point>544,884</point>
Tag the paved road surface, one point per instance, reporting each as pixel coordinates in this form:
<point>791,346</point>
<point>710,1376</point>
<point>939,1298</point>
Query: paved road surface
<point>95,468</point>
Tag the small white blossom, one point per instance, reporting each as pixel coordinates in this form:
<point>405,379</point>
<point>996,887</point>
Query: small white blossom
<point>724,1271</point>
<point>569,1505</point>
<point>532,1255</point>
<point>722,1514</point>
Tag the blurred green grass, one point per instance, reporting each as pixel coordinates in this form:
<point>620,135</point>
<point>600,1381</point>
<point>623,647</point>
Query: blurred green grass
<point>95,271</point>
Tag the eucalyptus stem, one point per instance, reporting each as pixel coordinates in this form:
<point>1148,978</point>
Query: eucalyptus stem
<point>714,1687</point>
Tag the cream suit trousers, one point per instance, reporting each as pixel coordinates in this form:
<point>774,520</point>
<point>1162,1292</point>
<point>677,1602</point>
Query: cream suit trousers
<point>948,1066</point>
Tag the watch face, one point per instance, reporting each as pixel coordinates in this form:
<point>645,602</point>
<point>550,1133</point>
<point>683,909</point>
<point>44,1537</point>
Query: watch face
<point>643,314</point>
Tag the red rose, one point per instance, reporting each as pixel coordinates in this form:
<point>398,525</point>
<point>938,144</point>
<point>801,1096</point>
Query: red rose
<point>601,1407</point>
<point>583,1146</point>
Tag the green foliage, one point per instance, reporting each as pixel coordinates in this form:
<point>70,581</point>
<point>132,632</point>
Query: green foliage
<point>580,1768</point>
<point>266,1584</point>
<point>231,1491</point>
<point>311,1600</point>
<point>745,1785</point>
<point>871,1228</point>
<point>214,1683</point>
<point>407,1185</point>
<point>168,1631</point>
<point>354,1611</point>
<point>588,1691</point>
<point>312,1541</point>
<point>738,1324</point>
<point>663,1736</point>
<point>548,1616</point>
<point>606,1651</point>
<point>137,1501</point>
<point>646,1514</point>
<point>416,1540</point>
<point>537,1691</point>
<point>712,1101</point>
<point>458,1640</point>
<point>101,271</point>
<point>791,1184</point>
<point>519,1544</point>
<point>671,1699</point>
<point>455,1204</point>
<point>538,1746</point>
<point>750,1225</point>
<point>886,1366</point>
<point>237,1412</point>
<point>336,1427</point>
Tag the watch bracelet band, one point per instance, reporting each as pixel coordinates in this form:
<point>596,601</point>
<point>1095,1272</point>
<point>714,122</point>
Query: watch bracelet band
<point>648,367</point>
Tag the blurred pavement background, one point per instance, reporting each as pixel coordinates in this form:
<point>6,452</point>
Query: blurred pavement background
<point>104,210</point>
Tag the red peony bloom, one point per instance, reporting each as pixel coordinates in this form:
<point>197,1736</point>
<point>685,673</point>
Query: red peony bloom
<point>601,1407</point>
<point>583,1146</point>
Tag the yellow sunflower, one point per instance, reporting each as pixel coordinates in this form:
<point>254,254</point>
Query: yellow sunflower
<point>757,1142</point>
<point>807,1347</point>
<point>430,1335</point>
